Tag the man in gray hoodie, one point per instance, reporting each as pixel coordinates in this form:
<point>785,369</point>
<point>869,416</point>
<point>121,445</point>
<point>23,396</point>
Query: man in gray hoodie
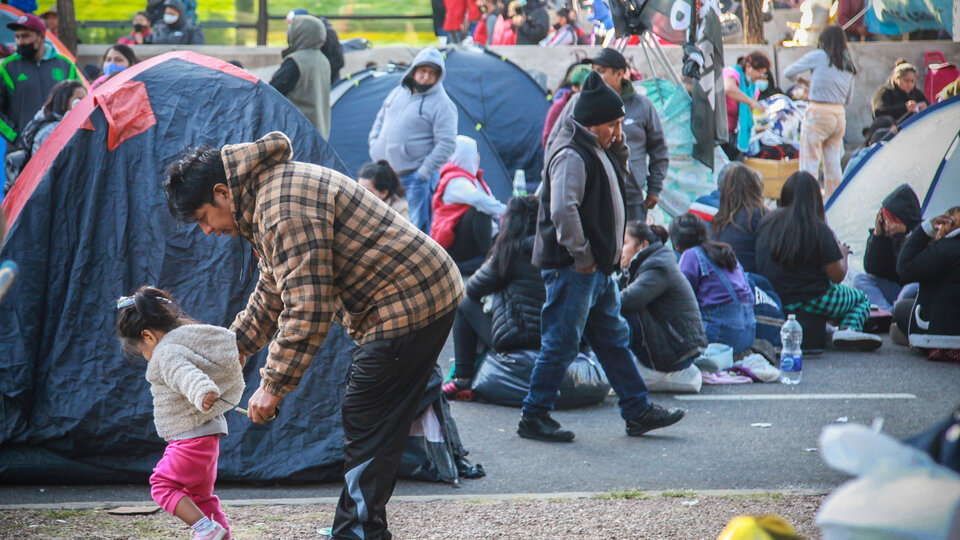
<point>579,239</point>
<point>642,136</point>
<point>416,131</point>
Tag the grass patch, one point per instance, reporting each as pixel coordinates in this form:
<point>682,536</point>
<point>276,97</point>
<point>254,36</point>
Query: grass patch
<point>769,496</point>
<point>678,494</point>
<point>62,514</point>
<point>480,501</point>
<point>627,495</point>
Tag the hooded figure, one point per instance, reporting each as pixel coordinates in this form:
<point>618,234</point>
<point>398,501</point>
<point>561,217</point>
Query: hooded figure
<point>899,215</point>
<point>304,76</point>
<point>461,196</point>
<point>415,132</point>
<point>176,32</point>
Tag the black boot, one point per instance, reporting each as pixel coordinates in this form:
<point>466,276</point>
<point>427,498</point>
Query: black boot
<point>655,417</point>
<point>543,428</point>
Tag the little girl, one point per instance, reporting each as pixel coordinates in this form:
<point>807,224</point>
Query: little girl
<point>189,366</point>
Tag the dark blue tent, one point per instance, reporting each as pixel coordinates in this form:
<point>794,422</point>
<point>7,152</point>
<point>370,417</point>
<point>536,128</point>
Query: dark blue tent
<point>500,106</point>
<point>89,222</point>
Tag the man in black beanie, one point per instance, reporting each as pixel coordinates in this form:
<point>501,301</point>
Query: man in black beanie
<point>579,238</point>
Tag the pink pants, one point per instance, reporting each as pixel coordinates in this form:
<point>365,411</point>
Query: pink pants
<point>821,139</point>
<point>188,468</point>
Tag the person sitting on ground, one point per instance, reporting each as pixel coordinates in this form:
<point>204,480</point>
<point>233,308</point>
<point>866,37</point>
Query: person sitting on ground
<point>931,256</point>
<point>706,206</point>
<point>463,208</point>
<point>724,296</point>
<point>381,180</point>
<point>141,30</point>
<point>806,264</point>
<point>63,97</point>
<point>899,97</point>
<point>899,214</point>
<point>304,75</point>
<point>116,59</point>
<point>564,29</point>
<point>175,29</point>
<point>518,295</point>
<point>737,218</point>
<point>574,81</point>
<point>666,331</point>
<point>741,84</point>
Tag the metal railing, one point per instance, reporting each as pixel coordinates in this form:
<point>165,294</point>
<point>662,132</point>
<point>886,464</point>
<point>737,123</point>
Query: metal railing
<point>260,26</point>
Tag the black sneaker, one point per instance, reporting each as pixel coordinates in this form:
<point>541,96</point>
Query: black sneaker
<point>543,428</point>
<point>655,417</point>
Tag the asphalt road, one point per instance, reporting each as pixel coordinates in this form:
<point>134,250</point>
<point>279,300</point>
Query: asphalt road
<point>714,447</point>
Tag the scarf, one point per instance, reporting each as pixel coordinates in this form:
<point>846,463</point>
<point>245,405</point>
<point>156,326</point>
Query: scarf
<point>745,115</point>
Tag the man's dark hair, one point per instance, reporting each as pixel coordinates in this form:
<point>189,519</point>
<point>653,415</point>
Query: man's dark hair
<point>190,181</point>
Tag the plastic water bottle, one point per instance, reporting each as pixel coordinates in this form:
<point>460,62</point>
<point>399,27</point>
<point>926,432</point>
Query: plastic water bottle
<point>519,183</point>
<point>791,356</point>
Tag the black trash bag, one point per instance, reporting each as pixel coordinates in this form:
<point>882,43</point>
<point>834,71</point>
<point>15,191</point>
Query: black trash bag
<point>504,379</point>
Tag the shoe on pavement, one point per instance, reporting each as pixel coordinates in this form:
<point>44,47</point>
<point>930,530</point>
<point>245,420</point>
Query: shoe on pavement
<point>897,336</point>
<point>216,533</point>
<point>457,390</point>
<point>846,339</point>
<point>543,428</point>
<point>655,417</point>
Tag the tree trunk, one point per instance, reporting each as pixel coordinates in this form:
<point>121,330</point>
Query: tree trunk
<point>753,22</point>
<point>67,30</point>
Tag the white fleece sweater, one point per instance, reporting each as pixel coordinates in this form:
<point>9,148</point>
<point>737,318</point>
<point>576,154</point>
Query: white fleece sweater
<point>189,362</point>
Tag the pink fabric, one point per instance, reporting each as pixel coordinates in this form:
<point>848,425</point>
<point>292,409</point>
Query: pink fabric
<point>555,109</point>
<point>188,468</point>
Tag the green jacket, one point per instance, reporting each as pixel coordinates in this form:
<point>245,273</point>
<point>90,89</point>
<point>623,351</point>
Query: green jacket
<point>25,85</point>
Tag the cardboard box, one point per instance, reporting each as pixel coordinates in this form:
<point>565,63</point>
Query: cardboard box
<point>774,173</point>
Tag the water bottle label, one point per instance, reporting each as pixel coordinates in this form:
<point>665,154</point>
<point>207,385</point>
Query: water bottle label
<point>791,363</point>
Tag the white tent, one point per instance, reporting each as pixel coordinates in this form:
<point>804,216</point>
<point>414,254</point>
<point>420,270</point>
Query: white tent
<point>924,155</point>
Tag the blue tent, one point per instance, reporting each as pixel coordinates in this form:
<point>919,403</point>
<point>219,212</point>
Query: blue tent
<point>89,222</point>
<point>925,154</point>
<point>499,105</point>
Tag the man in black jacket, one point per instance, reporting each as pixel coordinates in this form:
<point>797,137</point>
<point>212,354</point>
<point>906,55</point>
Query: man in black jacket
<point>899,215</point>
<point>532,24</point>
<point>579,238</point>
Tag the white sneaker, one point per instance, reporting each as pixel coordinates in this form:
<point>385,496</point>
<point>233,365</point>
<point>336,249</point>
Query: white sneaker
<point>218,533</point>
<point>846,339</point>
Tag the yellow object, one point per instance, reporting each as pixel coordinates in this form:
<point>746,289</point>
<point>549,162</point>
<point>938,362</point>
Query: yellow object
<point>758,528</point>
<point>774,173</point>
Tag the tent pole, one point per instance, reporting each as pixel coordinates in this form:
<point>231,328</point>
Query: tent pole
<point>662,56</point>
<point>653,68</point>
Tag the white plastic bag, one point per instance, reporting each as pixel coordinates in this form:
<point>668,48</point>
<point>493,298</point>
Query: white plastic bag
<point>900,493</point>
<point>684,381</point>
<point>716,357</point>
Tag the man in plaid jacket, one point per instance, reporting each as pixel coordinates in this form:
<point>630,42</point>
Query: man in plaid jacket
<point>330,251</point>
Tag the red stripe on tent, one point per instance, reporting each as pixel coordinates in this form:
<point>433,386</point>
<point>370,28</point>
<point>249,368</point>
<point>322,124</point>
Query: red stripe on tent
<point>79,118</point>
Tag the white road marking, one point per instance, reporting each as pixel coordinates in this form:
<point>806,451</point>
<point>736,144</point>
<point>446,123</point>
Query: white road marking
<point>781,397</point>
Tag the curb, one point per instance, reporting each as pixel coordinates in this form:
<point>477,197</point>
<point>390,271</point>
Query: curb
<point>477,497</point>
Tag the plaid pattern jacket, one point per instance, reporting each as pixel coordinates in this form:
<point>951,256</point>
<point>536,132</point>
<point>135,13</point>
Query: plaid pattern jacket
<point>330,251</point>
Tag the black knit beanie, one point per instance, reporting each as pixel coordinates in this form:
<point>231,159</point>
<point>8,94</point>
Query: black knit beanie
<point>598,103</point>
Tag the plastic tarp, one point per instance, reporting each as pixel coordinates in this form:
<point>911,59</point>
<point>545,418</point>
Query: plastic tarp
<point>924,154</point>
<point>498,103</point>
<point>686,177</point>
<point>504,379</point>
<point>90,223</point>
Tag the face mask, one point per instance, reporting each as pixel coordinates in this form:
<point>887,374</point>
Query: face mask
<point>170,19</point>
<point>138,28</point>
<point>74,103</point>
<point>762,85</point>
<point>27,51</point>
<point>110,68</point>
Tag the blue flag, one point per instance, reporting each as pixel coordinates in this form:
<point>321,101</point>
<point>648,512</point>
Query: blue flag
<point>904,16</point>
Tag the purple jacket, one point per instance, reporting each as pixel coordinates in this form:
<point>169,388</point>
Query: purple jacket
<point>708,286</point>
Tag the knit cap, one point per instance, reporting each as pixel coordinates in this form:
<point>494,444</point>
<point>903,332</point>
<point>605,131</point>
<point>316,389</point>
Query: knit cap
<point>598,103</point>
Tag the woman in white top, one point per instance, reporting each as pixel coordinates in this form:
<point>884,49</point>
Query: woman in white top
<point>831,87</point>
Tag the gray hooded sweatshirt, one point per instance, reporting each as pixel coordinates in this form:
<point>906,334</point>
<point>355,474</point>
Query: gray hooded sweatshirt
<point>416,132</point>
<point>311,95</point>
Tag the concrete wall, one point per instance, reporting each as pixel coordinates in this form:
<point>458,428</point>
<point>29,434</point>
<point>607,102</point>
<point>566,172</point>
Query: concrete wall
<point>874,61</point>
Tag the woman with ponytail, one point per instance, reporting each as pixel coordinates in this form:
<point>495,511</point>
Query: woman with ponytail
<point>824,123</point>
<point>666,332</point>
<point>719,282</point>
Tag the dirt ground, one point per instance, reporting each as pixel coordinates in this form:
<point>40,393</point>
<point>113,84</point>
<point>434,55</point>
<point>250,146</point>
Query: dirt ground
<point>668,515</point>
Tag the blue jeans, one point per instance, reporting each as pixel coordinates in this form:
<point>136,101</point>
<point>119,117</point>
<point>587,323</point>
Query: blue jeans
<point>881,292</point>
<point>583,305</point>
<point>732,324</point>
<point>419,195</point>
